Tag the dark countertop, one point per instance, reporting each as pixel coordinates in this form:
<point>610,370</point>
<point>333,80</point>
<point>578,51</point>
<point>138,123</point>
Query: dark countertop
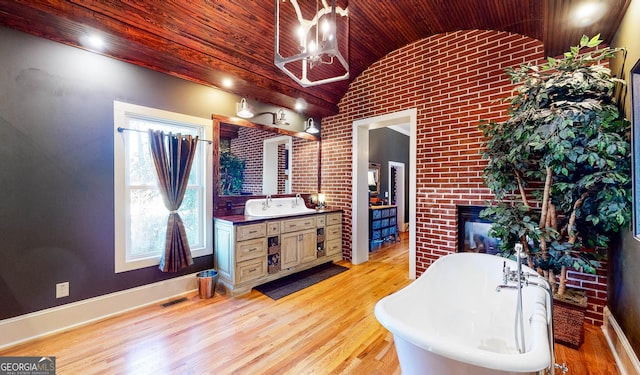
<point>242,219</point>
<point>381,207</point>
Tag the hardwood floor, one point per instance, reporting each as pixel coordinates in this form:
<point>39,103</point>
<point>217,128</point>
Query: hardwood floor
<point>327,329</point>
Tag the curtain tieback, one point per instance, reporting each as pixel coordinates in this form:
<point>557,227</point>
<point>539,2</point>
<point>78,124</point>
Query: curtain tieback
<point>173,212</point>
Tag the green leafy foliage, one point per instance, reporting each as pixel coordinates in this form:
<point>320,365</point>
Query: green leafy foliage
<point>565,132</point>
<point>231,173</point>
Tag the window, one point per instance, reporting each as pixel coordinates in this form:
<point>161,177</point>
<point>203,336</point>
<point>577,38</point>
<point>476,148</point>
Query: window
<point>140,214</point>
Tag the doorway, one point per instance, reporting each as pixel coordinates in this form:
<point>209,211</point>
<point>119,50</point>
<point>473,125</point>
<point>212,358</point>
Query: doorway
<point>359,188</point>
<point>275,179</point>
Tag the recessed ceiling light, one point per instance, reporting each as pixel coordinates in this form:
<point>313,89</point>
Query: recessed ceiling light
<point>301,104</point>
<point>227,82</point>
<point>94,41</point>
<point>588,13</point>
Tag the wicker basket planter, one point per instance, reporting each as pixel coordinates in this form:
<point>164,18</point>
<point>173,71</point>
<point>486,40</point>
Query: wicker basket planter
<point>568,317</point>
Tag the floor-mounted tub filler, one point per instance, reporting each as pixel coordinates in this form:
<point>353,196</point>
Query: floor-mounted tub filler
<point>459,317</point>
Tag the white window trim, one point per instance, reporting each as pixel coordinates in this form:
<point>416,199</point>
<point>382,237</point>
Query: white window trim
<point>121,112</point>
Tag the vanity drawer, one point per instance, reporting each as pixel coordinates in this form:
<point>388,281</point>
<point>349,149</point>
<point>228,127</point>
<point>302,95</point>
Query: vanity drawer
<point>294,225</point>
<point>247,232</point>
<point>333,233</point>
<point>273,227</point>
<point>250,269</point>
<point>334,219</point>
<point>320,220</point>
<point>333,247</point>
<point>251,249</point>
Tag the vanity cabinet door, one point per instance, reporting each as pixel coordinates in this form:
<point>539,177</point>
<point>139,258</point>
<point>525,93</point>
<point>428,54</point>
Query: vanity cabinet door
<point>308,244</point>
<point>289,250</point>
<point>298,247</point>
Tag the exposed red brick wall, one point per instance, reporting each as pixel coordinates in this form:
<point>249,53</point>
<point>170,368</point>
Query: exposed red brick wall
<point>250,149</point>
<point>282,166</point>
<point>454,80</point>
<point>305,166</point>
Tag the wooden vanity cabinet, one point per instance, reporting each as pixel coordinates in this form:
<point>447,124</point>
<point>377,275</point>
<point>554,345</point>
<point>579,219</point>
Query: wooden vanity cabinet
<point>251,253</point>
<point>298,241</point>
<point>333,234</point>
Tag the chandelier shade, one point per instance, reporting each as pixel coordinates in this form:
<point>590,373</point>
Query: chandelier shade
<point>312,40</point>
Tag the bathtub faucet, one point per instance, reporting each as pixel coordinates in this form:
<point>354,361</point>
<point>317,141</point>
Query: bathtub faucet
<point>511,276</point>
<point>520,279</point>
<point>505,273</point>
<point>517,280</point>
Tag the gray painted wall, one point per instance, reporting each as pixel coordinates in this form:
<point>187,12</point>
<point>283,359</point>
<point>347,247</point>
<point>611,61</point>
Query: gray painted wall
<point>56,167</point>
<point>389,145</point>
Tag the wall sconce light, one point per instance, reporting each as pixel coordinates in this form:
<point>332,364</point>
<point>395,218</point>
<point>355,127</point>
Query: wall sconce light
<point>311,127</point>
<point>243,110</point>
<point>279,118</point>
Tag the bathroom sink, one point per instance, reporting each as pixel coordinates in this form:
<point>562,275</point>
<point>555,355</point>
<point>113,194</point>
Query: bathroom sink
<point>277,207</point>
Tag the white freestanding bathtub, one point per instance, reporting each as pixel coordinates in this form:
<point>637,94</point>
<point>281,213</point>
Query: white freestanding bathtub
<point>452,320</point>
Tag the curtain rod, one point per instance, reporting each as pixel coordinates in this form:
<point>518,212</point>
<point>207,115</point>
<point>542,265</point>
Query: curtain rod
<point>121,129</point>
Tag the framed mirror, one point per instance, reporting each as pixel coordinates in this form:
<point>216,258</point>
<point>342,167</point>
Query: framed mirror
<point>253,160</point>
<point>373,178</point>
<point>635,143</point>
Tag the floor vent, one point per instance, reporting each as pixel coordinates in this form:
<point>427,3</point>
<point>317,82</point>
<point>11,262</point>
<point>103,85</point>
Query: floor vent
<point>175,301</point>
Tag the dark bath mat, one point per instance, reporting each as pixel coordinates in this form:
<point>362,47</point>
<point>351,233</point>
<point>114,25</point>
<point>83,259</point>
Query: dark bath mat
<point>277,289</point>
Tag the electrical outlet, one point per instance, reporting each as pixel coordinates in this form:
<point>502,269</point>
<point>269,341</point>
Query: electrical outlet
<point>62,290</point>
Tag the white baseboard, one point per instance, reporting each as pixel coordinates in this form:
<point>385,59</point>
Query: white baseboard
<point>45,322</point>
<point>626,358</point>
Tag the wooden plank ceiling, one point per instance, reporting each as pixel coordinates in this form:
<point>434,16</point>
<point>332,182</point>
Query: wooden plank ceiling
<point>205,41</point>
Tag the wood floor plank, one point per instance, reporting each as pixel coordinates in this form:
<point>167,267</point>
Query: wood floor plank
<point>328,328</point>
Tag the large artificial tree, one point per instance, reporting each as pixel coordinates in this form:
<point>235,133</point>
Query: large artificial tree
<point>559,166</point>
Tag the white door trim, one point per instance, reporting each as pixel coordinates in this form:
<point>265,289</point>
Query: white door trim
<point>359,188</point>
<point>399,191</point>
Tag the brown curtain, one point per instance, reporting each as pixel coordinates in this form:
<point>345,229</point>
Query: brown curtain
<point>173,162</point>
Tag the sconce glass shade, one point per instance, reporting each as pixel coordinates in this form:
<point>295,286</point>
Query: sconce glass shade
<point>318,52</point>
<point>311,127</point>
<point>279,118</point>
<point>321,200</point>
<point>243,109</point>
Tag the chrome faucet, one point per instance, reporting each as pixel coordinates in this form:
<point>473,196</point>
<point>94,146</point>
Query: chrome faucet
<point>525,279</point>
<point>295,202</point>
<point>267,202</point>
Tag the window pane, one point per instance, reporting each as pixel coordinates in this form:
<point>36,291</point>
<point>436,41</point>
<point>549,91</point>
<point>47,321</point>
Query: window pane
<point>141,168</point>
<point>190,213</point>
<point>148,223</point>
<point>148,215</point>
